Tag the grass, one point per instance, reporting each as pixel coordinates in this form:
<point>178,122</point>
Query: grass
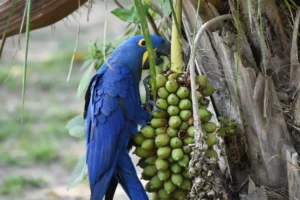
<point>13,185</point>
<point>37,140</point>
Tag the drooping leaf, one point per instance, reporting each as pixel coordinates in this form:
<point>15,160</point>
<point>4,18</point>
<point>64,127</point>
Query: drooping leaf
<point>76,127</point>
<point>85,80</point>
<point>79,173</point>
<point>123,14</point>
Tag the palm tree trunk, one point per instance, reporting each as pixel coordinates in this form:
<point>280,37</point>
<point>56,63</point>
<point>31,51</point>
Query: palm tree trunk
<point>252,76</point>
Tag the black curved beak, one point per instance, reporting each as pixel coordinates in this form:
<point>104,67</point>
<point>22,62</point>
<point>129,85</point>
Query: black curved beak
<point>162,50</point>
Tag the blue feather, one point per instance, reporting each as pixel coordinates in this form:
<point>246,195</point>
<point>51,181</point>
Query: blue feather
<point>113,112</point>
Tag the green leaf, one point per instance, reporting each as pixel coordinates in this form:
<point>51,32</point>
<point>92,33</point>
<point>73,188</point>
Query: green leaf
<point>86,63</point>
<point>76,127</point>
<point>167,8</point>
<point>79,173</point>
<point>222,131</point>
<point>123,14</point>
<point>135,15</point>
<point>85,80</point>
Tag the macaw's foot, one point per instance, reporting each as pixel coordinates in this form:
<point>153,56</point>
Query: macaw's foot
<point>150,103</point>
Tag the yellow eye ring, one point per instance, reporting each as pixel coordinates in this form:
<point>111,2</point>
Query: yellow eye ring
<point>142,42</point>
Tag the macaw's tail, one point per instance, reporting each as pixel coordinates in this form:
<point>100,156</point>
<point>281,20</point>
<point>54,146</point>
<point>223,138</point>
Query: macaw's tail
<point>101,186</point>
<point>127,177</point>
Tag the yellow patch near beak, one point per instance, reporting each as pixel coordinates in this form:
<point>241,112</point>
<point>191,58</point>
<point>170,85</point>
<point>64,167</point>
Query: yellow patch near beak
<point>145,56</point>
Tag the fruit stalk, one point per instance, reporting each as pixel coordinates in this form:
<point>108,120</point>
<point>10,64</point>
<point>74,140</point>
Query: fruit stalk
<point>176,50</point>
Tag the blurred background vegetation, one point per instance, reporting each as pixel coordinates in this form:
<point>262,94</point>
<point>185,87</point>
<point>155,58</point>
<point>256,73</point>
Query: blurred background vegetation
<point>37,156</point>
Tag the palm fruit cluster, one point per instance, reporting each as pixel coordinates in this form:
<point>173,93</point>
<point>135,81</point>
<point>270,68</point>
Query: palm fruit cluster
<point>165,144</point>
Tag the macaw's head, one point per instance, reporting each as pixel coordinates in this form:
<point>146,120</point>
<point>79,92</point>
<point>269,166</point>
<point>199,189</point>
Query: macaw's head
<point>133,54</point>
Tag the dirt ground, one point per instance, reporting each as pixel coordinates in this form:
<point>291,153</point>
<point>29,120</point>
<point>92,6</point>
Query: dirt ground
<point>37,156</point>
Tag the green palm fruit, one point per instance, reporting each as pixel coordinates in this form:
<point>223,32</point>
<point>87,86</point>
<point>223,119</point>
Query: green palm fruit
<point>180,195</point>
<point>191,131</point>
<point>176,179</point>
<point>207,118</point>
<point>161,165</point>
<point>211,153</point>
<point>198,95</point>
<point>159,114</point>
<point>184,162</point>
<point>138,138</point>
<point>188,140</point>
<point>209,127</point>
<point>177,154</point>
<point>205,115</point>
<point>162,194</point>
<point>187,149</point>
<point>201,81</point>
<point>184,126</point>
<point>164,175</point>
<point>159,70</point>
<point>211,140</point>
<point>142,163</point>
<point>150,171</point>
<point>183,92</point>
<point>171,160</point>
<point>203,107</point>
<point>174,122</point>
<point>173,110</point>
<point>160,80</point>
<point>169,186</point>
<point>185,104</point>
<point>185,115</point>
<point>162,140</point>
<point>175,142</point>
<point>162,104</point>
<point>161,130</point>
<point>148,131</point>
<point>149,188</point>
<point>163,93</point>
<point>143,153</point>
<point>145,177</point>
<point>185,173</point>
<point>151,160</point>
<point>173,100</point>
<point>148,144</point>
<point>176,168</point>
<point>164,152</point>
<point>172,132</point>
<point>208,90</point>
<point>155,183</point>
<point>157,122</point>
<point>172,76</point>
<point>171,86</point>
<point>186,184</point>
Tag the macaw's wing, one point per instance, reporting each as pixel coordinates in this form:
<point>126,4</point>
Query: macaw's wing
<point>108,124</point>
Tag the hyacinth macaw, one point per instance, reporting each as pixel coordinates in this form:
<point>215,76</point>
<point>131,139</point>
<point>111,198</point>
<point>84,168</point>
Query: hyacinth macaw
<point>112,112</point>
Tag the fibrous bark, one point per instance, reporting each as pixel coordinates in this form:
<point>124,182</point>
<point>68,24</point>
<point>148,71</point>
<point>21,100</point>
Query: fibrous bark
<point>44,13</point>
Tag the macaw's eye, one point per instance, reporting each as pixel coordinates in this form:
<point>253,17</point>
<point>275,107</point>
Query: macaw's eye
<point>142,42</point>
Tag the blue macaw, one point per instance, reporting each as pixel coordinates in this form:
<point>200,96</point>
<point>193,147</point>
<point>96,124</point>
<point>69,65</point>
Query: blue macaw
<point>112,112</point>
